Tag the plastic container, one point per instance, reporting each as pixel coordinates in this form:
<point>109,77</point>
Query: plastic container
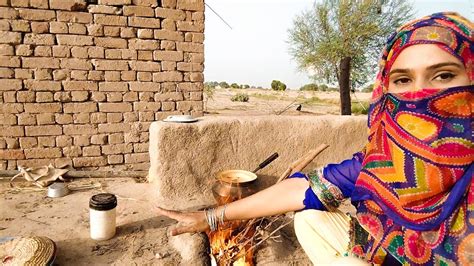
<point>102,216</point>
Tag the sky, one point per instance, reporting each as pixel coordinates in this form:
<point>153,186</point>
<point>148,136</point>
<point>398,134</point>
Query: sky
<point>255,50</point>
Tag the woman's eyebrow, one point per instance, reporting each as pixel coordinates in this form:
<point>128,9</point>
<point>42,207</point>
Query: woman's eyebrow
<point>443,65</point>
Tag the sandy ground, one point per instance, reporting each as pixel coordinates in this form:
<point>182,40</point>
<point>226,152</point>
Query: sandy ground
<point>265,102</point>
<point>141,237</point>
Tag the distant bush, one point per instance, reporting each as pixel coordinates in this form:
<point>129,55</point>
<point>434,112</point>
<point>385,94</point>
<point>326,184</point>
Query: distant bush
<point>323,87</point>
<point>240,97</point>
<point>235,86</point>
<point>309,87</point>
<point>278,85</point>
<point>245,86</point>
<point>224,84</point>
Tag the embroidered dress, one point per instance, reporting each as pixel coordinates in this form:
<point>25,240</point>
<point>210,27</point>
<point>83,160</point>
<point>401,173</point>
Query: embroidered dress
<point>413,190</point>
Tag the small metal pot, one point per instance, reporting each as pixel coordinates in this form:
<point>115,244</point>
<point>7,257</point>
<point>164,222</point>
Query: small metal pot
<point>57,190</point>
<point>232,185</point>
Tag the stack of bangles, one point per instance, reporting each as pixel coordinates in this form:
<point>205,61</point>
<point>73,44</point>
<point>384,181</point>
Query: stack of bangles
<point>213,219</point>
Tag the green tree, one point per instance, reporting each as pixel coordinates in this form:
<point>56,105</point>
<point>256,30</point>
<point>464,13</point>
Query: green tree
<point>341,40</point>
<point>235,86</point>
<point>223,84</point>
<point>278,85</point>
<point>309,87</point>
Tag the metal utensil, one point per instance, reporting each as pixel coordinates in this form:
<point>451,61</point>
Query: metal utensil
<point>57,190</point>
<point>266,162</point>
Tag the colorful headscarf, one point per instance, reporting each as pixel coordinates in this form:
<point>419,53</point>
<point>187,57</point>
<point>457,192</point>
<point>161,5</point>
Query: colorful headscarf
<point>414,193</point>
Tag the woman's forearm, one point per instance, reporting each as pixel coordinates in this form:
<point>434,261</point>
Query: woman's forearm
<point>283,197</point>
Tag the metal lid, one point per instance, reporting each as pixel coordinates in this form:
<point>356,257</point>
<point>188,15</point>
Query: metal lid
<point>103,202</point>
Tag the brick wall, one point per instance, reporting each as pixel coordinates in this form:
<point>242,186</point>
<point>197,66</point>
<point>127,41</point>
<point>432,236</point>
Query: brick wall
<point>81,81</point>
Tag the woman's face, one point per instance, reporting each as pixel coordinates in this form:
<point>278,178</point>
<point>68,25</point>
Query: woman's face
<point>426,66</point>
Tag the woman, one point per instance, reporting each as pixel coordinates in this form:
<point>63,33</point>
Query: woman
<point>412,184</point>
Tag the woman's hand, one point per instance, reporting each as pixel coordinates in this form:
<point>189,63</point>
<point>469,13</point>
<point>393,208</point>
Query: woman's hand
<point>188,222</point>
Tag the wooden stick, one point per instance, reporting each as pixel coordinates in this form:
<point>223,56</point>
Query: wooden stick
<point>301,163</point>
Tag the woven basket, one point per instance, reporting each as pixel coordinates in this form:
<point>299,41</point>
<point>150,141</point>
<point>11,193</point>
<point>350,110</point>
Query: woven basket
<point>28,251</point>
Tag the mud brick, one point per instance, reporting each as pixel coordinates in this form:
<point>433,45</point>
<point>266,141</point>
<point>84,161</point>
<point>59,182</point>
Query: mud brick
<point>137,44</point>
<point>144,86</point>
<point>99,139</point>
<point>6,49</point>
<point>168,56</point>
<point>9,97</point>
<point>128,33</point>
<point>70,5</point>
<point>37,108</point>
<point>147,106</point>
<point>112,31</point>
<point>10,84</point>
<point>169,3</point>
<point>168,35</point>
<point>50,130</point>
<point>19,3</point>
<point>168,87</point>
<point>129,54</point>
<point>103,9</point>
<point>139,22</point>
<point>26,119</point>
<point>113,128</point>
<point>9,61</point>
<point>96,75</point>
<point>79,75</point>
<point>58,27</point>
<point>98,118</point>
<point>80,85</point>
<point>146,96</point>
<point>115,107</point>
<point>43,51</point>
<point>79,52</point>
<point>128,76</point>
<point>43,74</point>
<point>144,76</point>
<point>12,131</point>
<point>28,142</point>
<point>145,66</point>
<point>196,57</point>
<point>76,28</point>
<point>11,154</point>
<point>190,47</point>
<point>20,25</point>
<point>39,39</point>
<point>110,64</point>
<point>195,96</point>
<point>168,24</point>
<point>6,73</point>
<point>8,13</point>
<point>95,30</point>
<point>130,117</point>
<point>139,11</point>
<point>80,129</point>
<point>4,25</point>
<point>168,45</point>
<point>114,117</point>
<point>63,119</point>
<point>37,15</point>
<point>115,2</point>
<point>117,148</point>
<point>195,77</point>
<point>42,85</point>
<point>145,55</point>
<point>91,151</point>
<point>112,76</point>
<point>167,76</point>
<point>87,107</point>
<point>11,108</point>
<point>80,96</point>
<point>40,27</point>
<point>40,62</point>
<point>96,52</point>
<point>130,96</point>
<point>72,151</point>
<point>113,54</point>
<point>45,119</point>
<point>98,96</point>
<point>61,51</point>
<point>115,159</point>
<point>76,17</point>
<point>114,97</point>
<point>191,5</point>
<point>190,67</point>
<point>8,119</point>
<point>145,33</point>
<point>110,20</point>
<point>74,63</point>
<point>113,86</point>
<point>146,116</point>
<point>168,65</point>
<point>132,137</point>
<point>25,96</point>
<point>81,140</point>
<point>81,118</point>
<point>62,162</point>
<point>116,138</point>
<point>63,141</point>
<point>10,37</point>
<point>169,97</point>
<point>169,13</point>
<point>140,147</point>
<point>74,40</point>
<point>44,97</point>
<point>189,105</point>
<point>42,4</point>
<point>137,158</point>
<point>168,106</point>
<point>190,26</point>
<point>46,142</point>
<point>40,153</point>
<point>195,37</point>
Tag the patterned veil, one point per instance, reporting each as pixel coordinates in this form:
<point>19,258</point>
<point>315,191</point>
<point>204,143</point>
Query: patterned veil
<point>414,193</point>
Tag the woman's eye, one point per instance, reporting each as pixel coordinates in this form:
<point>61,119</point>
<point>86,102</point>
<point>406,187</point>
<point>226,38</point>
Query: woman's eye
<point>401,81</point>
<point>444,76</point>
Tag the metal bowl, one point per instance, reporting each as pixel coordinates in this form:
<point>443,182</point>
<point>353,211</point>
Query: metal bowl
<point>57,190</point>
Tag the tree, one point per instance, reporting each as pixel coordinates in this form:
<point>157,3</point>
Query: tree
<point>278,85</point>
<point>223,84</point>
<point>340,40</point>
<point>309,87</point>
<point>235,86</point>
